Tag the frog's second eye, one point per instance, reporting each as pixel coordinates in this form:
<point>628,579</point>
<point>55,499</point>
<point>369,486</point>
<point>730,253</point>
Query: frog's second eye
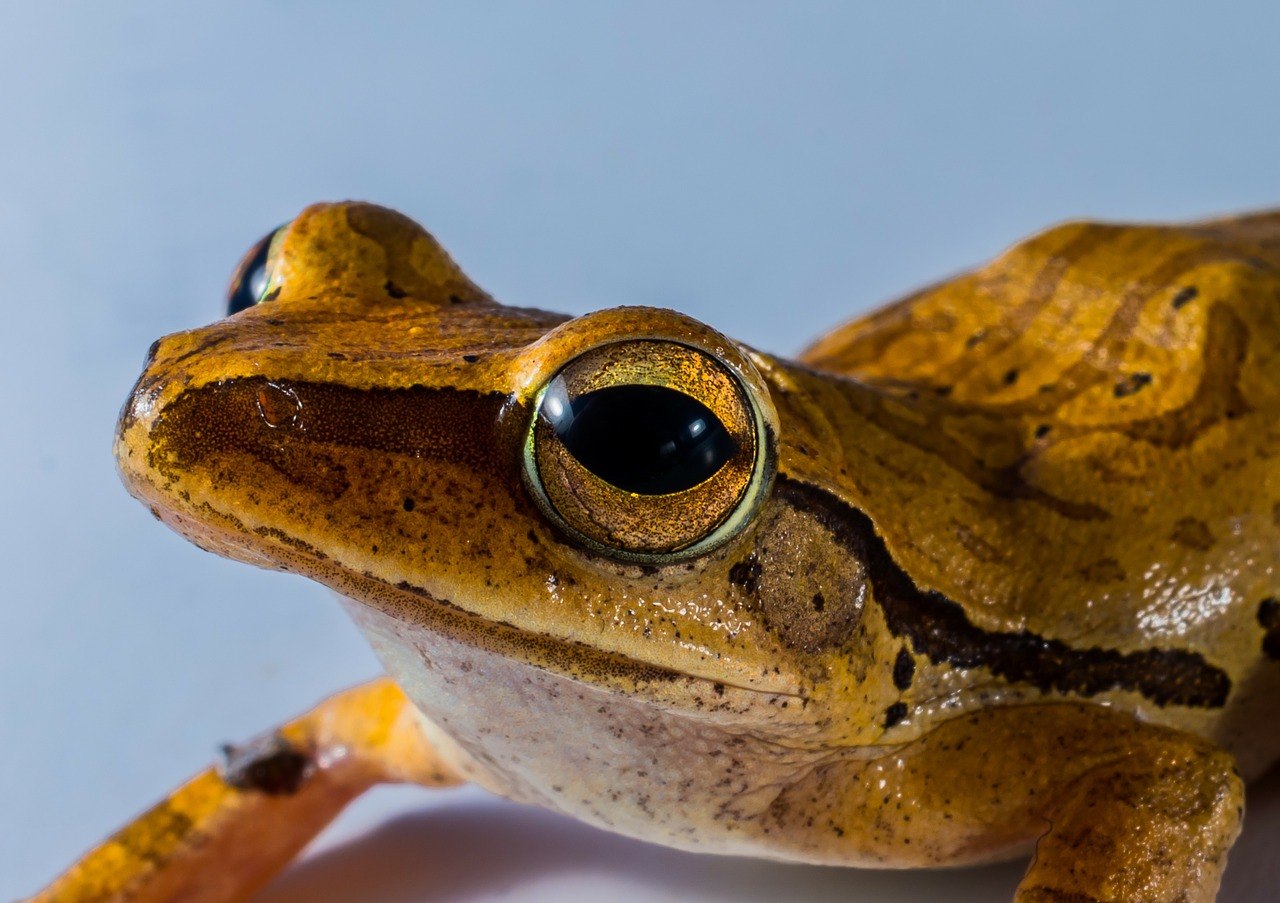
<point>647,450</point>
<point>251,280</point>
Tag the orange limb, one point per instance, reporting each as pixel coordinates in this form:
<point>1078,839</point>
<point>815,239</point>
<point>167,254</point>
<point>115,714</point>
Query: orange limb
<point>225,833</point>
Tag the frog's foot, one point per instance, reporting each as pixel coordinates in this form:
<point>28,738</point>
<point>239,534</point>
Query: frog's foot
<point>224,834</point>
<point>1154,827</point>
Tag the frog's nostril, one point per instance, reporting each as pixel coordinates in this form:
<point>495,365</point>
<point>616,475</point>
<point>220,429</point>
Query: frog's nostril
<point>278,405</point>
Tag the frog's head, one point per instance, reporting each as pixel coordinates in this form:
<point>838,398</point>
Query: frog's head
<point>592,496</point>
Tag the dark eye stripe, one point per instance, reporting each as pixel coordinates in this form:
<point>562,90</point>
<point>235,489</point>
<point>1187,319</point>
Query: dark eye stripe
<point>649,440</point>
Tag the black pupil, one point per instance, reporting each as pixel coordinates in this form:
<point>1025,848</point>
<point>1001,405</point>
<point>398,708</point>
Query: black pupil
<point>252,278</point>
<point>649,440</point>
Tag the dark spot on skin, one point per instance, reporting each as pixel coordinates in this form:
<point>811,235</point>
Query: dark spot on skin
<point>1131,384</point>
<point>1185,297</point>
<point>719,688</point>
<point>471,358</point>
<point>1269,618</point>
<point>151,353</point>
<point>268,765</point>
<point>454,299</point>
<point>894,714</point>
<point>942,391</point>
<point>394,290</point>
<point>746,574</point>
<point>939,629</point>
<point>1011,377</point>
<point>1192,533</point>
<point>974,339</point>
<point>409,504</point>
<point>337,356</point>
<point>819,603</point>
<point>1043,430</point>
<point>1104,570</point>
<point>271,296</point>
<point>904,669</point>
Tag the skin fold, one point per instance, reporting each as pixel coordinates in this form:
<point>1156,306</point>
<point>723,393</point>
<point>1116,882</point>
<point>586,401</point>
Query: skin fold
<point>989,572</point>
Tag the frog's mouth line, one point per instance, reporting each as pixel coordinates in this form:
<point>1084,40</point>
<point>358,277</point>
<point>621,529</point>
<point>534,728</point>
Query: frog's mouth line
<point>224,534</point>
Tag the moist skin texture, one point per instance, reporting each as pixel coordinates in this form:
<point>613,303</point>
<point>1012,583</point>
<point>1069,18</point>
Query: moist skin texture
<point>1003,574</point>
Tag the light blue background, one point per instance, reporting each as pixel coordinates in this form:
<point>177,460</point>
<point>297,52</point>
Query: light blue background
<point>769,168</point>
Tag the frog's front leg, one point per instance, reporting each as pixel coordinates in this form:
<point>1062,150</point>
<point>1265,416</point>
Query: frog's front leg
<point>1118,810</point>
<point>224,834</point>
<point>1154,826</point>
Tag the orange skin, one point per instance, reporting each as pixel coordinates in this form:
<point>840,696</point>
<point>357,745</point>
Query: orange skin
<point>989,568</point>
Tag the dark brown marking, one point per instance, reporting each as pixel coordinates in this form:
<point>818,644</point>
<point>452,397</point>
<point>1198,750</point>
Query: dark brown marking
<point>1104,570</point>
<point>1011,377</point>
<point>894,714</point>
<point>1131,384</point>
<point>1185,297</point>
<point>1043,430</point>
<point>409,504</point>
<point>939,629</point>
<point>471,358</point>
<point>1269,619</point>
<point>904,669</point>
<point>746,574</point>
<point>434,424</point>
<point>394,290</point>
<point>1192,533</point>
<point>268,765</point>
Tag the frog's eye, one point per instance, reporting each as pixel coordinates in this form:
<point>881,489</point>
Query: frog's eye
<point>648,450</point>
<point>251,282</point>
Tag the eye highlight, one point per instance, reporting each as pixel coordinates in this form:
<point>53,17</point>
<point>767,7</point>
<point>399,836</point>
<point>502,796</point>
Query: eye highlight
<point>648,450</point>
<point>251,281</point>
<point>649,440</point>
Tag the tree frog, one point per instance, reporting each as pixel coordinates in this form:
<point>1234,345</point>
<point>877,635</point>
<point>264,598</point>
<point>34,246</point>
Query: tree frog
<point>987,573</point>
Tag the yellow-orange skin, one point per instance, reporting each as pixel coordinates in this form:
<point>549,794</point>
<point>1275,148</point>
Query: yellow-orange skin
<point>1073,450</point>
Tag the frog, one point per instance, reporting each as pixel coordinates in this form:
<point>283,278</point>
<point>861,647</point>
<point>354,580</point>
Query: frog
<point>987,573</point>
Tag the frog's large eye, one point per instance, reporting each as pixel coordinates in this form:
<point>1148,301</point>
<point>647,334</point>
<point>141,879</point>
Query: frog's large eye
<point>251,281</point>
<point>648,450</point>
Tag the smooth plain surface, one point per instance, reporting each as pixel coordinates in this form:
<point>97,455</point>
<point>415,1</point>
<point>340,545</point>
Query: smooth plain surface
<point>769,168</point>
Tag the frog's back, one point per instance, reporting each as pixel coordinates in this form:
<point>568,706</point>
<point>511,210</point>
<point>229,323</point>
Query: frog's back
<point>1098,413</point>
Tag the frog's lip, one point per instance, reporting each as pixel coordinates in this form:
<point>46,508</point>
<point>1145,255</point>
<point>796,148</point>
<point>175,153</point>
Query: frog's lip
<point>224,534</point>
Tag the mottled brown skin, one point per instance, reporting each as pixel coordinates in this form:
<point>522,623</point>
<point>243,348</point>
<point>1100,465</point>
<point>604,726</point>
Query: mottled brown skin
<point>1005,577</point>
